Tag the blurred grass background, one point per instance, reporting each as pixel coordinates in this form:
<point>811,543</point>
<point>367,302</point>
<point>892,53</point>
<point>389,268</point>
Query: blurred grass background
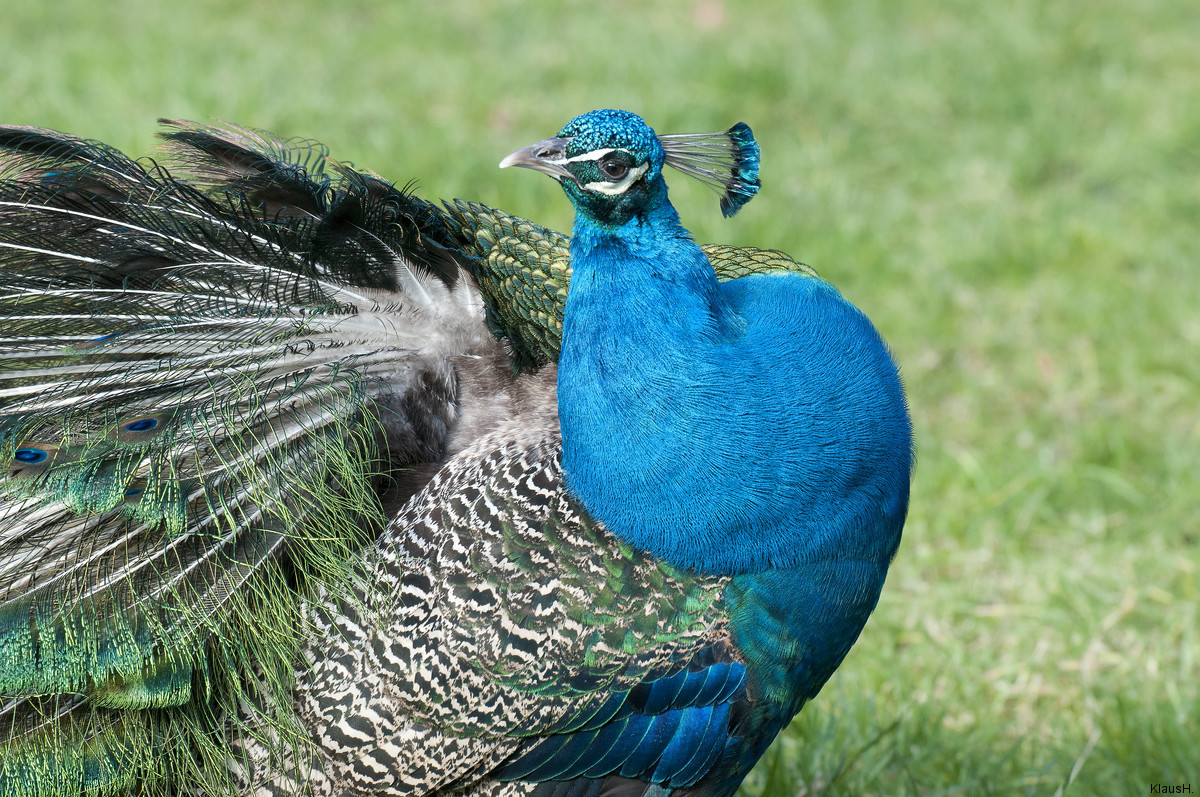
<point>1010,190</point>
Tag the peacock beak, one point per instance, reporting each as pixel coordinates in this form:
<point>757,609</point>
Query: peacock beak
<point>546,157</point>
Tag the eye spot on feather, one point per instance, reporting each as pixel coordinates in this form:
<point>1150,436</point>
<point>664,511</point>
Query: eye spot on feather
<point>31,456</point>
<point>31,459</point>
<point>143,429</point>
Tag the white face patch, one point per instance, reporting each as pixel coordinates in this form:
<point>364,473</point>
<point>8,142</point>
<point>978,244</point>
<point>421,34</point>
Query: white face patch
<point>612,189</point>
<point>605,187</point>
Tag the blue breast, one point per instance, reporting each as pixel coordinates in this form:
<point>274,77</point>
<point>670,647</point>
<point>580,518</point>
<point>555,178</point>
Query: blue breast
<point>755,424</point>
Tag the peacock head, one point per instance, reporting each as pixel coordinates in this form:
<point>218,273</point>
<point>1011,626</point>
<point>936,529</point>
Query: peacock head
<point>610,164</point>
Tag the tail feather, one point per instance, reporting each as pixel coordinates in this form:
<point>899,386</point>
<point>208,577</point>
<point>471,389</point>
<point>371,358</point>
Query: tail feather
<point>201,388</point>
<point>360,221</point>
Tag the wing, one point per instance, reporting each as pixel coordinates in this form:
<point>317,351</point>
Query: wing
<point>200,393</point>
<point>519,640</point>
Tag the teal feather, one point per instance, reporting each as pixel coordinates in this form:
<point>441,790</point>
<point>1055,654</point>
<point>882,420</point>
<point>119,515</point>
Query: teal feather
<point>284,508</point>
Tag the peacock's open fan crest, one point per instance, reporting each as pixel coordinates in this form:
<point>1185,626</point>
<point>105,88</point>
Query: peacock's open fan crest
<point>726,161</point>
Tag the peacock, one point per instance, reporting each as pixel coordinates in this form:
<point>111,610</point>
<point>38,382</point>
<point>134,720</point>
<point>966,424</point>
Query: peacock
<point>311,486</point>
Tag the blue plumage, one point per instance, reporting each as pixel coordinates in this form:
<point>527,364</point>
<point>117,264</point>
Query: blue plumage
<point>773,387</point>
<point>281,516</point>
<point>670,731</point>
<point>754,429</point>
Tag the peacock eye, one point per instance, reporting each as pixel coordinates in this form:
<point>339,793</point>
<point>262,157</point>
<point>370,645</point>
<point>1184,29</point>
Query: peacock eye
<point>614,169</point>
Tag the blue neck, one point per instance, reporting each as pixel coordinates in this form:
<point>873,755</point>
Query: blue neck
<point>730,428</point>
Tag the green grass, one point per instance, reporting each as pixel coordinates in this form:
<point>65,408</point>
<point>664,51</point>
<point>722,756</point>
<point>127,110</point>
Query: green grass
<point>1010,190</point>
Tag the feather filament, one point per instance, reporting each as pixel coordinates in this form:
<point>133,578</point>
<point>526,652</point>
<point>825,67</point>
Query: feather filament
<point>727,162</point>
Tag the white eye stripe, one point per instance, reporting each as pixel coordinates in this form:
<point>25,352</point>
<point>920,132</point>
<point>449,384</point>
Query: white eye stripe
<point>612,189</point>
<point>594,155</point>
